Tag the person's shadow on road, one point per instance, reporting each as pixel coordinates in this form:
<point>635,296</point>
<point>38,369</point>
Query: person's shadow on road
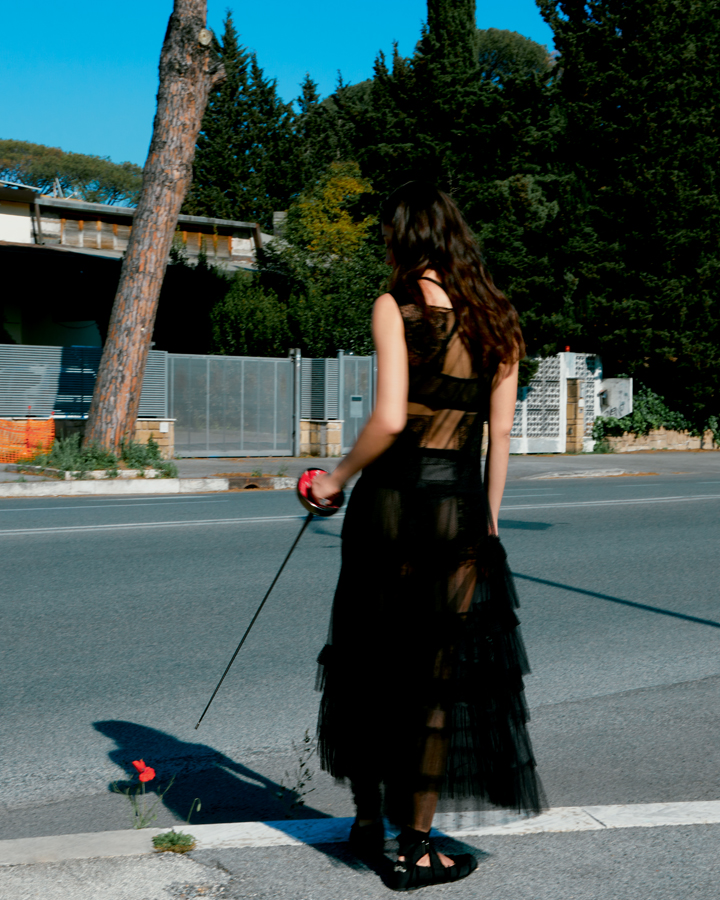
<point>228,790</point>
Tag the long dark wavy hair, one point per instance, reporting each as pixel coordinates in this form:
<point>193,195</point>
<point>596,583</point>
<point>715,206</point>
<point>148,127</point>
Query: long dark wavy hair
<point>429,232</point>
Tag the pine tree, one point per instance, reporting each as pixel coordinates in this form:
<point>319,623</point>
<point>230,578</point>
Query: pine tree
<point>220,167</point>
<point>323,132</point>
<point>246,159</point>
<point>271,160</point>
<point>449,39</point>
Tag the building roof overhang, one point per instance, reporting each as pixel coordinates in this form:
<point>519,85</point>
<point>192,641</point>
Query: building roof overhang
<point>106,209</point>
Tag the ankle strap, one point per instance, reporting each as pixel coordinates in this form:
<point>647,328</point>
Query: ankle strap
<point>413,844</point>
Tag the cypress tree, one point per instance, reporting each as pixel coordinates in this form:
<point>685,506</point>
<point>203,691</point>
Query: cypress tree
<point>271,158</point>
<point>246,158</point>
<point>219,168</point>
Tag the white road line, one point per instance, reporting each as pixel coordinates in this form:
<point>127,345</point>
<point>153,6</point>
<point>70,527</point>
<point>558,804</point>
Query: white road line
<point>23,851</point>
<point>162,502</point>
<point>125,525</point>
<point>580,503</point>
<point>533,494</point>
<point>202,522</point>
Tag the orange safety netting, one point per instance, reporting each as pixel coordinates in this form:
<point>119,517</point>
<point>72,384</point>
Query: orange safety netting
<point>21,441</point>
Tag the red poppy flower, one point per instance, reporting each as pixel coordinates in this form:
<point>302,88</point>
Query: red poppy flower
<point>146,773</point>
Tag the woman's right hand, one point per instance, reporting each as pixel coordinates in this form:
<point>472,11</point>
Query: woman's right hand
<point>324,487</point>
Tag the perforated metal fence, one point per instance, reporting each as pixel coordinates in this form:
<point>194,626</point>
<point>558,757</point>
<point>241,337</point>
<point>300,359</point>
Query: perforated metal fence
<point>246,406</point>
<point>356,395</point>
<point>61,380</point>
<point>231,405</point>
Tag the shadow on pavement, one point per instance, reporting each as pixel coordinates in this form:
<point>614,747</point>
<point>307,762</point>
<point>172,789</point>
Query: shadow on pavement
<point>524,526</point>
<point>644,606</point>
<point>228,790</point>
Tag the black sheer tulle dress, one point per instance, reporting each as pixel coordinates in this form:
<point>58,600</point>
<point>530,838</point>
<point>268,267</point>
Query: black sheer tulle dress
<point>422,673</point>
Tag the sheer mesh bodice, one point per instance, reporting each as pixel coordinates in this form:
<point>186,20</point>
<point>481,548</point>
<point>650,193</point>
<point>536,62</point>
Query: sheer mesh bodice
<point>422,673</point>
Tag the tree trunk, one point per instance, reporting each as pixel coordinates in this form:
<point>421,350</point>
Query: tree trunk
<point>187,72</point>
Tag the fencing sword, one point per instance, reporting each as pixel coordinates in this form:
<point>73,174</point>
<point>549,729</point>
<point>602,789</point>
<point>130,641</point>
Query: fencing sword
<point>314,508</point>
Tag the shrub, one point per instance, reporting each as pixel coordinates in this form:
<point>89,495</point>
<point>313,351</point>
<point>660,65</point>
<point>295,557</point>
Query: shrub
<point>649,413</point>
<point>67,455</point>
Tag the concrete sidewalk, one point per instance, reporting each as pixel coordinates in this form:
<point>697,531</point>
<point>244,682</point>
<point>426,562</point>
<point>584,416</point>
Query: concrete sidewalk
<point>212,474</point>
<point>121,865</point>
<point>661,462</point>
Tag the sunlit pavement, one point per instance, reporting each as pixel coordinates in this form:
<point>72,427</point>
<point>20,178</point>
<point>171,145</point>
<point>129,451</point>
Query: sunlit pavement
<point>114,637</point>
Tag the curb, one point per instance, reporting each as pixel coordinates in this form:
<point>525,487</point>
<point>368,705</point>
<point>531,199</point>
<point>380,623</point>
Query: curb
<point>112,487</point>
<point>107,844</point>
<point>273,482</point>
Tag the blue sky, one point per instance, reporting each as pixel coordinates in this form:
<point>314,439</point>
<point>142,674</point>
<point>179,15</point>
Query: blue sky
<point>82,74</point>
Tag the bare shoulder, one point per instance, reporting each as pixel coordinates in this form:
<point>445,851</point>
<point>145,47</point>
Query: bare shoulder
<point>386,302</point>
<point>386,311</point>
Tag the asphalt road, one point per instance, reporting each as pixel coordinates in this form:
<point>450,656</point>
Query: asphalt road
<point>119,616</point>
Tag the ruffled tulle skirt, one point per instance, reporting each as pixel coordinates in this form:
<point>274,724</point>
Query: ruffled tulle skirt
<point>422,675</point>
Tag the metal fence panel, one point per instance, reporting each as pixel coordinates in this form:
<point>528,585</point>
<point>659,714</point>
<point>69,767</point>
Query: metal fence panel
<point>319,399</point>
<point>61,380</point>
<point>356,400</point>
<point>231,406</point>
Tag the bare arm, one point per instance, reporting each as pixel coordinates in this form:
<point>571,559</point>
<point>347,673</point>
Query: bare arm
<point>502,411</point>
<point>390,414</point>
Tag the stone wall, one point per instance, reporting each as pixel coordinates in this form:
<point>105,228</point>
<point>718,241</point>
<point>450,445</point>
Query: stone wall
<point>321,437</point>
<point>661,439</point>
<point>162,431</point>
<point>575,424</point>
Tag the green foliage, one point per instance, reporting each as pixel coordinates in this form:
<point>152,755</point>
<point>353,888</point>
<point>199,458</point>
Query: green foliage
<point>323,220</point>
<point>315,289</point>
<point>92,178</point>
<point>146,456</point>
<point>713,425</point>
<point>296,300</point>
<point>173,842</point>
<point>527,371</point>
<point>142,812</point>
<point>505,54</point>
<point>67,455</point>
<point>245,162</point>
<point>638,143</point>
<point>250,321</point>
<point>590,177</point>
<point>188,295</point>
<point>650,412</point>
<point>487,140</point>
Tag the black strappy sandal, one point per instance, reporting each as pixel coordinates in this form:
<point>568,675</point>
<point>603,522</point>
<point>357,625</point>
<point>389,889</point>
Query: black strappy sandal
<point>367,841</point>
<point>413,845</point>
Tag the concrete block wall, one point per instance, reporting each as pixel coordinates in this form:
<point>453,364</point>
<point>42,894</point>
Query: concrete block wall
<point>162,431</point>
<point>321,437</point>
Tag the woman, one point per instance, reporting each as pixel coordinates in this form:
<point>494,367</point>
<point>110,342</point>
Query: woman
<point>422,673</point>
